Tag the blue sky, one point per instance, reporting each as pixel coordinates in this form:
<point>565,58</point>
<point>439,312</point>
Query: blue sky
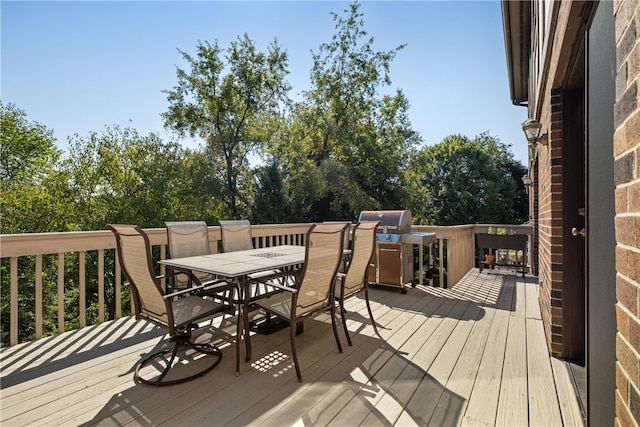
<point>80,66</point>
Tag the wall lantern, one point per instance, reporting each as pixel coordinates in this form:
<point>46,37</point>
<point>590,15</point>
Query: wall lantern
<point>526,180</point>
<point>531,130</point>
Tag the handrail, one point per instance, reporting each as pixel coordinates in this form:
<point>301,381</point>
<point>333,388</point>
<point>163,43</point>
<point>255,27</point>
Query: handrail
<point>456,244</point>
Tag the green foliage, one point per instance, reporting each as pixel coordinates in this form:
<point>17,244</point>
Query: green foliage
<point>28,191</point>
<point>464,181</point>
<point>271,202</point>
<point>230,105</point>
<point>346,143</point>
<point>27,149</point>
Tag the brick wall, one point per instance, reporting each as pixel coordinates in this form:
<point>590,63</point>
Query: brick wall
<point>626,144</point>
<point>549,223</point>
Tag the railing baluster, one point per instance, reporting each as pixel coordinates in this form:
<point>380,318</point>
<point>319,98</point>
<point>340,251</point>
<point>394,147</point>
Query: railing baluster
<point>101,285</point>
<point>38,296</point>
<point>441,261</point>
<point>13,303</point>
<point>163,252</point>
<point>118,286</point>
<point>60,293</point>
<point>83,289</point>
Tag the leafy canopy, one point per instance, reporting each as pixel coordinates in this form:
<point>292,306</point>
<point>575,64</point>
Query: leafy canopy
<point>230,105</point>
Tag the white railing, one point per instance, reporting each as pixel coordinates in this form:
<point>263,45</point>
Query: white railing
<point>456,244</point>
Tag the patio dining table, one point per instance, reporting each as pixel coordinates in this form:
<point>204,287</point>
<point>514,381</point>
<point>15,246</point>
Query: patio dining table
<point>236,267</point>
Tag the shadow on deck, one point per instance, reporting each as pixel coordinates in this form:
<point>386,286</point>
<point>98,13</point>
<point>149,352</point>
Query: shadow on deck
<point>472,354</point>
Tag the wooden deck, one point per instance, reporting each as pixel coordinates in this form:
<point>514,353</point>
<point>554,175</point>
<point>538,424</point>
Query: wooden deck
<point>471,355</point>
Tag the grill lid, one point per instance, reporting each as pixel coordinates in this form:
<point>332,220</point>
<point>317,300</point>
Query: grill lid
<point>390,221</point>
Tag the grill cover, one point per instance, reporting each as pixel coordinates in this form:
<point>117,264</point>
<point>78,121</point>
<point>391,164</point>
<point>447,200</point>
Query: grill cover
<point>391,221</point>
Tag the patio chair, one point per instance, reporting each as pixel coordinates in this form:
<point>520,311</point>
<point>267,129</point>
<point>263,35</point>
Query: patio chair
<point>236,236</point>
<point>356,278</point>
<point>187,239</point>
<point>315,288</point>
<point>346,244</point>
<point>176,315</point>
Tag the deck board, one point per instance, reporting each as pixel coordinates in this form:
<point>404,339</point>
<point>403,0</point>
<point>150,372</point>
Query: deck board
<point>470,355</point>
<point>483,403</point>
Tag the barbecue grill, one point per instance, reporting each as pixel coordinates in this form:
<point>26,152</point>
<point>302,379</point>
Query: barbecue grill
<point>393,262</point>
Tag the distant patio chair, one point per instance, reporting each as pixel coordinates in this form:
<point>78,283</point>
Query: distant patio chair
<point>177,315</point>
<point>356,278</point>
<point>187,239</point>
<point>314,291</point>
<point>237,236</point>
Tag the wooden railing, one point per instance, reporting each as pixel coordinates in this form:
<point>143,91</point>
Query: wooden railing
<point>456,253</point>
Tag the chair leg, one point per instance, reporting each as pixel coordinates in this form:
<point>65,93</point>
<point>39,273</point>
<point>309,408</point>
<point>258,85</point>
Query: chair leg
<point>335,328</point>
<point>373,322</point>
<point>178,343</point>
<point>343,315</point>
<point>292,338</point>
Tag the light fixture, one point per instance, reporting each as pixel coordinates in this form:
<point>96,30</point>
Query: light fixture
<point>531,130</point>
<point>526,180</point>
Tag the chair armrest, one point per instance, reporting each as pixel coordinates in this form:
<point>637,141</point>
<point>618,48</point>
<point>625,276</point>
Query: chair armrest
<point>212,284</point>
<point>195,289</point>
<point>183,291</point>
<point>284,288</point>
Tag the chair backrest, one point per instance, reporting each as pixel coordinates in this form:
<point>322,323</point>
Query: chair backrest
<point>187,238</point>
<point>363,244</point>
<point>347,232</point>
<point>236,235</point>
<point>134,252</point>
<point>322,258</point>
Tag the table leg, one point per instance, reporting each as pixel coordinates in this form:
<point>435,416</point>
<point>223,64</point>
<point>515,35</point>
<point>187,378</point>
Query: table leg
<point>239,328</point>
<point>245,319</point>
<point>421,261</point>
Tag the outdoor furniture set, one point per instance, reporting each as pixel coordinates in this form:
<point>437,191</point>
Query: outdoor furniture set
<point>287,283</point>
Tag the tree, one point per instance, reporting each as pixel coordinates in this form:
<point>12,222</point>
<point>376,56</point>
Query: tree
<point>463,181</point>
<point>229,106</point>
<point>347,144</point>
<point>28,160</point>
<point>271,202</point>
<point>31,203</point>
<point>120,176</point>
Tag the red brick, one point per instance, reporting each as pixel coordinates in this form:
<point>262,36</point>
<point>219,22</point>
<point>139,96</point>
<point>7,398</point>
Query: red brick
<point>620,140</point>
<point>622,384</point>
<point>622,320</point>
<point>631,129</point>
<point>623,416</point>
<point>627,295</point>
<point>626,232</point>
<point>633,197</point>
<point>634,266</point>
<point>621,200</point>
<point>634,334</point>
<point>622,262</point>
<point>627,359</point>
